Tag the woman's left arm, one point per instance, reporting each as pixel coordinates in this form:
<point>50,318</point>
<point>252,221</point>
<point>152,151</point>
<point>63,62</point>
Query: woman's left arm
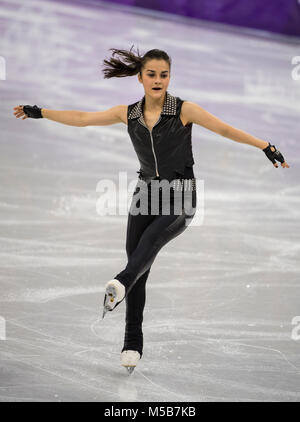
<point>193,113</point>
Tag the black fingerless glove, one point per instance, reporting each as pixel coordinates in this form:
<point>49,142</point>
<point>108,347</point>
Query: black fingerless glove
<point>33,111</point>
<point>273,155</point>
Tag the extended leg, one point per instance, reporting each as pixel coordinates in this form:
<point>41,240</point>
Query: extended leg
<point>163,229</point>
<point>158,233</point>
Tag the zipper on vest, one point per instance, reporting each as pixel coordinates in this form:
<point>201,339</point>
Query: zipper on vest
<point>150,131</point>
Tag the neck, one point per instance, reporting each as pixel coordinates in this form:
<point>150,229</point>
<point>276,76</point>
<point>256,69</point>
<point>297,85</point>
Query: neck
<point>154,104</point>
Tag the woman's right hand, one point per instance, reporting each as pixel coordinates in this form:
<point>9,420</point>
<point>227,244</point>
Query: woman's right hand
<point>19,112</point>
<point>28,111</point>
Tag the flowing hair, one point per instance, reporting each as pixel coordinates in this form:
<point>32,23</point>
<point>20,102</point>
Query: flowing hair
<point>132,63</point>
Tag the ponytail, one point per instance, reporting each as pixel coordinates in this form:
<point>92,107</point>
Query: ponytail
<point>132,63</point>
<point>116,68</point>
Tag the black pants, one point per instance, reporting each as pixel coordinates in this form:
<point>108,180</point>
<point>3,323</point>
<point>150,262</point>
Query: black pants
<point>146,235</point>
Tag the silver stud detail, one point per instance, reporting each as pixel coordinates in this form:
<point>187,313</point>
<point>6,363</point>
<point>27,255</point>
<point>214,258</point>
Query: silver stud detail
<point>169,107</point>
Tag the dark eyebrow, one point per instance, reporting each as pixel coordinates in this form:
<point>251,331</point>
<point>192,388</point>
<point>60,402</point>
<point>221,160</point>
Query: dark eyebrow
<point>164,71</point>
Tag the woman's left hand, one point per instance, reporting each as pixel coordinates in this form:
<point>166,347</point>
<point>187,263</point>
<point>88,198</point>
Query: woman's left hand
<point>273,154</point>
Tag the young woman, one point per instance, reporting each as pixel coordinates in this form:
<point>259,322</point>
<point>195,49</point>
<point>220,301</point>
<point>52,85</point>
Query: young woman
<point>159,126</point>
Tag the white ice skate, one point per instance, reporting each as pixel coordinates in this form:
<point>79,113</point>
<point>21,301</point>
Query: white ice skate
<point>114,293</point>
<point>129,359</point>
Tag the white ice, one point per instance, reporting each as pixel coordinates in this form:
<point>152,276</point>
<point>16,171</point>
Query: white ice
<point>222,296</point>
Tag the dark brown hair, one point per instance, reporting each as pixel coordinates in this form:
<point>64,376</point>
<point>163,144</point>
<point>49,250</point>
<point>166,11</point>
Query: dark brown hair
<point>132,63</point>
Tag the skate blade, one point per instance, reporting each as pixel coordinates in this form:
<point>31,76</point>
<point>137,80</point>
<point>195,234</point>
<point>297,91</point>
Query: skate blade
<point>104,312</point>
<point>130,369</point>
<point>109,297</point>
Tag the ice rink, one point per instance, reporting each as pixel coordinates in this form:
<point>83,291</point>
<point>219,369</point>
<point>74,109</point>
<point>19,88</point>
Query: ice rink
<point>222,315</point>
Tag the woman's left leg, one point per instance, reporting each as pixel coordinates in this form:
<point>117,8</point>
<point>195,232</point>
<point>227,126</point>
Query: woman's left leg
<point>135,299</point>
<point>158,233</point>
<point>135,303</point>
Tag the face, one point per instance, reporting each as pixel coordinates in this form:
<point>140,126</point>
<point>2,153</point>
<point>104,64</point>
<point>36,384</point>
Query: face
<point>156,73</point>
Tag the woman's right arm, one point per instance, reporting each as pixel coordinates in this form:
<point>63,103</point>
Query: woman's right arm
<point>66,117</point>
<point>116,114</point>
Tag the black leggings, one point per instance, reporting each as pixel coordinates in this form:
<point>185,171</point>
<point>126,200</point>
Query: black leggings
<point>146,235</point>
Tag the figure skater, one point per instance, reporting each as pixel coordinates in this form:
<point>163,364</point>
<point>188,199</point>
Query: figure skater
<point>160,127</point>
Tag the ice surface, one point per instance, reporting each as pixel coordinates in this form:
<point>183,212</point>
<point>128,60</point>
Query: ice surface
<point>222,296</point>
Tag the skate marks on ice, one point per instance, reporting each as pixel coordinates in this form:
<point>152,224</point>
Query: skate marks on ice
<point>215,359</point>
<point>224,362</point>
<point>141,384</point>
<point>220,299</point>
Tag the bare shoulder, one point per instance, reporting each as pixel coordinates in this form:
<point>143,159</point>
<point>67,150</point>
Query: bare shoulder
<point>186,109</point>
<point>187,106</point>
<point>122,113</point>
<point>194,113</point>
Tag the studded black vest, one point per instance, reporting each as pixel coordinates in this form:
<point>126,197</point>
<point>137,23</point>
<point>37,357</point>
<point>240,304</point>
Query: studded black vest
<point>166,150</point>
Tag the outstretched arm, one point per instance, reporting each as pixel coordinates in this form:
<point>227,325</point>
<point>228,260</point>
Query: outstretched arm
<point>67,117</point>
<point>193,113</point>
<point>116,114</point>
<point>78,118</point>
